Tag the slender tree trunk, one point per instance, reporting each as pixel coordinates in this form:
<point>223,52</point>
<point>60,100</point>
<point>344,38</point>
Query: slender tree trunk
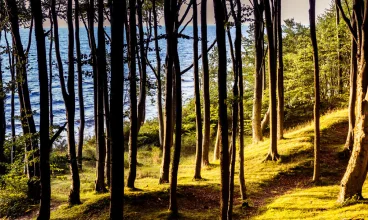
<point>173,207</point>
<point>80,86</point>
<point>143,76</point>
<point>356,172</point>
<point>280,76</point>
<point>199,135</point>
<point>258,75</point>
<point>133,97</point>
<point>2,116</point>
<point>206,87</point>
<point>44,111</point>
<point>101,72</point>
<point>353,90</point>
<point>272,68</point>
<point>108,131</point>
<point>317,147</point>
<point>216,152</point>
<point>169,26</point>
<point>118,16</point>
<point>265,120</point>
<point>27,120</point>
<point>158,71</point>
<point>224,152</point>
<point>50,68</point>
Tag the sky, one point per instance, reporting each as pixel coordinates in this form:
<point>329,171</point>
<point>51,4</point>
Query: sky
<point>297,9</point>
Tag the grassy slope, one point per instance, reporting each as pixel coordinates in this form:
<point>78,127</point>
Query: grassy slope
<point>279,190</point>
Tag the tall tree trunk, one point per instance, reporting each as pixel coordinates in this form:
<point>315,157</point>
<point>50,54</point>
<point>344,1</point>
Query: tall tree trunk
<point>356,172</point>
<point>258,75</point>
<point>101,72</point>
<point>44,111</point>
<point>143,76</point>
<point>108,131</point>
<point>118,16</point>
<point>312,19</point>
<point>353,90</point>
<point>280,76</point>
<point>158,71</point>
<point>199,135</point>
<point>80,86</point>
<point>27,120</point>
<point>272,68</point>
<point>222,111</point>
<point>206,87</point>
<point>50,68</point>
<point>2,117</point>
<point>169,26</point>
<point>173,207</point>
<point>133,97</point>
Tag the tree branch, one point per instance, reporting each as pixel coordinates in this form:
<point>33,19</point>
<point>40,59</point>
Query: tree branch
<point>57,134</point>
<point>346,19</point>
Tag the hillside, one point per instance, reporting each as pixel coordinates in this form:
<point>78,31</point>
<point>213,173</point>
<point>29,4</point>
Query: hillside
<point>281,190</point>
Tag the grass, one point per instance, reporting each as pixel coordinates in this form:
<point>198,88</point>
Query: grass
<point>276,190</point>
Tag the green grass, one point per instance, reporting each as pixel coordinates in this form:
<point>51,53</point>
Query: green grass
<point>283,188</point>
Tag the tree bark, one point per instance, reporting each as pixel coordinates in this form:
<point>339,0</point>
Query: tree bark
<point>101,72</point>
<point>45,147</point>
<point>118,15</point>
<point>2,116</point>
<point>206,87</point>
<point>258,75</point>
<point>169,26</point>
<point>80,87</point>
<point>50,68</point>
<point>356,172</point>
<point>272,68</point>
<point>199,135</point>
<point>133,97</point>
<point>317,147</point>
<point>280,76</point>
<point>222,111</point>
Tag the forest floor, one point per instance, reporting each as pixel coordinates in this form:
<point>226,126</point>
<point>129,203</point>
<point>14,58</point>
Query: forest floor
<point>275,190</point>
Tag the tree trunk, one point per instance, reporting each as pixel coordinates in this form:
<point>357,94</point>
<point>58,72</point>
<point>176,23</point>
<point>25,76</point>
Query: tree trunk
<point>44,212</point>
<point>356,172</point>
<point>222,111</point>
<point>199,135</point>
<point>143,76</point>
<point>169,26</point>
<point>173,207</point>
<point>280,76</point>
<point>272,68</point>
<point>50,69</point>
<point>2,117</point>
<point>118,16</point>
<point>80,87</point>
<point>206,87</point>
<point>353,90</point>
<point>101,72</point>
<point>317,147</point>
<point>108,131</point>
<point>258,75</point>
<point>133,98</point>
<point>27,120</point>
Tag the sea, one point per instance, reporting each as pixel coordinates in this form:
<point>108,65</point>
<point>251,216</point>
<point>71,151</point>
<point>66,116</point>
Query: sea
<point>185,48</point>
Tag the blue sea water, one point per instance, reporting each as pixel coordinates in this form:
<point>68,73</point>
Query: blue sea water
<point>185,49</point>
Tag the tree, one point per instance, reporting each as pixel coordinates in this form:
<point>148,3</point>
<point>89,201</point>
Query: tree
<point>272,68</point>
<point>80,86</point>
<point>222,110</point>
<point>44,111</point>
<point>68,94</point>
<point>133,97</point>
<point>258,75</point>
<point>312,19</point>
<point>101,72</point>
<point>280,74</point>
<point>173,48</point>
<point>118,15</point>
<point>356,172</point>
<point>197,174</point>
<point>2,116</point>
<point>206,86</point>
